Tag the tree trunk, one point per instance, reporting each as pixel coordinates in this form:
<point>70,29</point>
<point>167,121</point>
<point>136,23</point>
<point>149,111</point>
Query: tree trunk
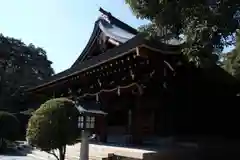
<point>62,151</point>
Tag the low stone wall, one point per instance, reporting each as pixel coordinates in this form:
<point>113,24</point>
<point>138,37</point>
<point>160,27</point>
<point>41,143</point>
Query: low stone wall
<point>203,150</point>
<point>117,157</point>
<point>171,155</point>
<point>161,155</point>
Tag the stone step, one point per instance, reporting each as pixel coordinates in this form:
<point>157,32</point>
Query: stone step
<point>41,155</point>
<point>96,152</point>
<point>90,157</point>
<point>103,150</point>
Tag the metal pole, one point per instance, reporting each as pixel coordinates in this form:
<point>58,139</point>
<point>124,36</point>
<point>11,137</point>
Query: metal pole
<point>84,151</point>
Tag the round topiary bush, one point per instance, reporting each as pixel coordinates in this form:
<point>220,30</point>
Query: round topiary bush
<point>53,126</point>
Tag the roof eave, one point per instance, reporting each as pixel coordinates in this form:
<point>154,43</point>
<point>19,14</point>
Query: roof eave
<point>132,44</point>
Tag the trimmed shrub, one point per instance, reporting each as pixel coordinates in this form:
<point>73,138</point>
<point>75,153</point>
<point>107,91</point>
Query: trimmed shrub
<point>53,126</point>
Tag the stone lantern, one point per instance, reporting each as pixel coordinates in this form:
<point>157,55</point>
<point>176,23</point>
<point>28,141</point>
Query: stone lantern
<point>86,123</point>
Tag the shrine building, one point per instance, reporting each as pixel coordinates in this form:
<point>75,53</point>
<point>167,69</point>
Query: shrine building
<point>147,88</point>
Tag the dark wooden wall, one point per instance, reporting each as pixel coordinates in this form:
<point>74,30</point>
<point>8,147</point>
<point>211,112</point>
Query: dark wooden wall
<point>197,106</point>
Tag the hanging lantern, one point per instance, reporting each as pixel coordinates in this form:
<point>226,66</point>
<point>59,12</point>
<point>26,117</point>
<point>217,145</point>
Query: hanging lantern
<point>79,90</point>
<point>132,75</point>
<point>137,51</point>
<point>69,91</point>
<point>118,91</point>
<point>100,84</point>
<point>123,78</point>
<point>140,89</point>
<point>97,98</point>
<point>152,73</point>
<point>165,85</point>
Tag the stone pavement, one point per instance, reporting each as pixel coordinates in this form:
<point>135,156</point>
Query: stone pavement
<point>96,152</point>
<point>17,158</point>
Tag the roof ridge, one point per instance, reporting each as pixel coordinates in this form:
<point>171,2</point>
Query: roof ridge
<point>118,22</point>
<point>107,16</point>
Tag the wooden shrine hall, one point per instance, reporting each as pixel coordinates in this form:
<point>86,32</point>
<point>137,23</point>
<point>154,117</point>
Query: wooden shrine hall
<point>147,87</point>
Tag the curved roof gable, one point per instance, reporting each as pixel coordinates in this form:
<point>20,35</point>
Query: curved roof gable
<point>112,28</point>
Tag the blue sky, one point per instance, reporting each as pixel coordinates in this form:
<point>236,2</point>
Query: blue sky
<point>61,27</point>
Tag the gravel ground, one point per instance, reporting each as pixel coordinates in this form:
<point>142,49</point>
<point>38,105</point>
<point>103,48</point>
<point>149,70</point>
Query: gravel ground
<point>17,158</point>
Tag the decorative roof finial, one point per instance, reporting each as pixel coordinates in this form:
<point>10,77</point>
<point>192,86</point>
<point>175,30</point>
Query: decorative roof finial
<point>105,12</point>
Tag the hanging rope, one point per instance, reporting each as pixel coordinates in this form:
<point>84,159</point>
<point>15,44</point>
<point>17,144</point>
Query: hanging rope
<point>169,65</point>
<point>114,89</point>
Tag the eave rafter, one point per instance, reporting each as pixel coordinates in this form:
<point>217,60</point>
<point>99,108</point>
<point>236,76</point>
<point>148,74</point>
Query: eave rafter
<point>114,75</point>
<point>121,71</point>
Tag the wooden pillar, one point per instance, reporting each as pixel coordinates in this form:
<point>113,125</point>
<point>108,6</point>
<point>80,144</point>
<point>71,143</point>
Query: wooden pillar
<point>101,125</point>
<point>129,127</point>
<point>136,123</point>
<point>103,135</point>
<point>129,121</point>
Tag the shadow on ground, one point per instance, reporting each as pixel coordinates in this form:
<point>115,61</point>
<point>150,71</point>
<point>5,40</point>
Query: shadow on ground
<point>18,151</point>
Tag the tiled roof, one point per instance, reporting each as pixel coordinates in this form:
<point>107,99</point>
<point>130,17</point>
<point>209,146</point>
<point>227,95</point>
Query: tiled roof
<point>114,53</point>
<point>112,27</point>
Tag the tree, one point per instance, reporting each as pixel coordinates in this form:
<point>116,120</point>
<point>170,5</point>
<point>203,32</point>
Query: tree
<point>231,60</point>
<point>9,127</point>
<point>21,66</point>
<point>53,126</point>
<point>205,26</point>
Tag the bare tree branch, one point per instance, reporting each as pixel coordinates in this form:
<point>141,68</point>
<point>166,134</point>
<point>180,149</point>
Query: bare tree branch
<point>54,154</point>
